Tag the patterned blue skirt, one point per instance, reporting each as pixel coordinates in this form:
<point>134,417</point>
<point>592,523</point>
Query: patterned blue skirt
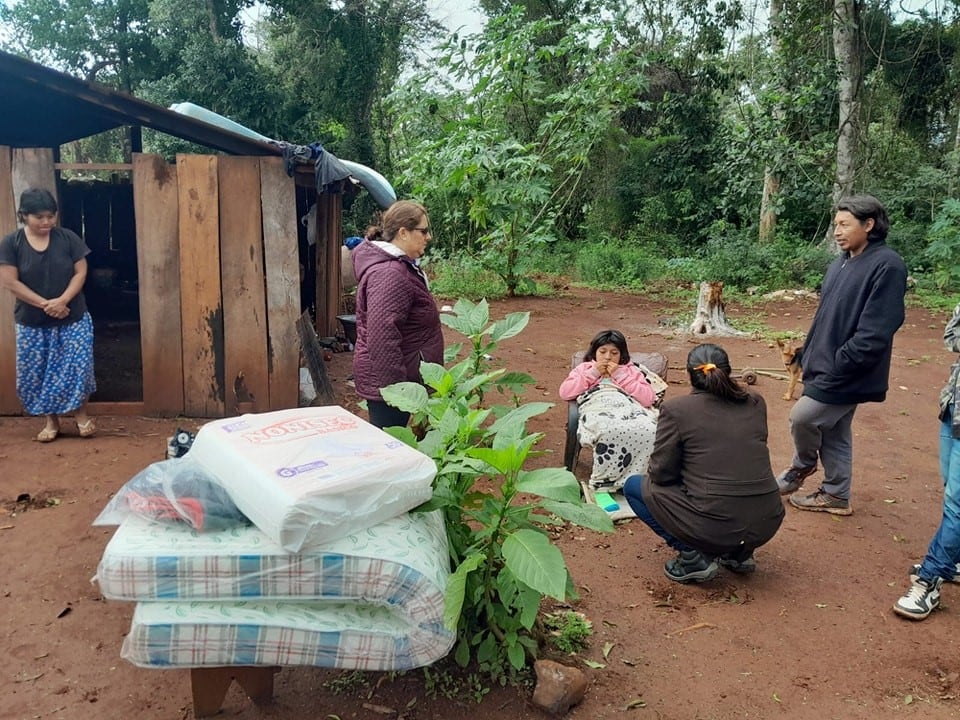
<point>55,367</point>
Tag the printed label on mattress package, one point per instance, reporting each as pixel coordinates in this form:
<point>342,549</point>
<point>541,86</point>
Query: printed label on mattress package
<point>312,474</point>
<point>297,428</point>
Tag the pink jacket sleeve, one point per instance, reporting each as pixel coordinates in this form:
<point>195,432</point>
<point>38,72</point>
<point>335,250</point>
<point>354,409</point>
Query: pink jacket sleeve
<point>583,377</point>
<point>632,381</point>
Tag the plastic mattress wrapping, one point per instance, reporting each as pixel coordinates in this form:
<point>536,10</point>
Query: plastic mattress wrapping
<point>325,576</point>
<point>314,474</point>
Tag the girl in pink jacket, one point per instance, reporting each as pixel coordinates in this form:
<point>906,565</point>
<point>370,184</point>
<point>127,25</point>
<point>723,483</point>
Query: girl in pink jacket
<point>617,418</point>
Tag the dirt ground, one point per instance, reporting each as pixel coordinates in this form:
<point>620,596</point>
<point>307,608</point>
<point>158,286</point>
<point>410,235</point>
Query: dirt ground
<point>809,635</point>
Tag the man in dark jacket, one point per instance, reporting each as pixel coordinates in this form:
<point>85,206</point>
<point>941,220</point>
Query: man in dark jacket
<point>846,356</point>
<point>398,323</point>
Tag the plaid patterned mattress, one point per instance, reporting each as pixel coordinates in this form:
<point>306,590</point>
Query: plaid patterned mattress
<point>401,561</point>
<point>347,635</point>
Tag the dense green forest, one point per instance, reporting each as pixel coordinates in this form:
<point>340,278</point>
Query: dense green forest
<point>621,143</point>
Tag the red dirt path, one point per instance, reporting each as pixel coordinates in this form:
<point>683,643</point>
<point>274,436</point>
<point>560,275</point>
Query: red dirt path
<point>809,636</point>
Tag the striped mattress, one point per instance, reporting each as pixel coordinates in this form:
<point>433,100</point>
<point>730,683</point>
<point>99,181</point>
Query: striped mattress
<point>372,600</point>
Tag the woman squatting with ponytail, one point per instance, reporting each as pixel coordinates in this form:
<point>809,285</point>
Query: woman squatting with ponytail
<point>709,491</point>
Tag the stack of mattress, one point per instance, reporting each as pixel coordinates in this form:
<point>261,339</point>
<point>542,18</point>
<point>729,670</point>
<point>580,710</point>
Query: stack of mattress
<point>334,573</point>
<point>371,601</point>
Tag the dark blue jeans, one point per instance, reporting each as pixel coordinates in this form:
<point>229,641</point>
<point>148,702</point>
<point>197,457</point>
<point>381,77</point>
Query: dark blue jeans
<point>631,491</point>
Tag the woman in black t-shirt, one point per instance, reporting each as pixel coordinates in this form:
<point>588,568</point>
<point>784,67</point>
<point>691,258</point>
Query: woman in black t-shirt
<point>45,266</point>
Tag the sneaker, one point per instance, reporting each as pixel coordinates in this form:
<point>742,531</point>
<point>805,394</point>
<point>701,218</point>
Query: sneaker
<point>821,501</point>
<point>691,566</point>
<point>915,573</point>
<point>741,567</point>
<point>791,479</point>
<point>921,599</point>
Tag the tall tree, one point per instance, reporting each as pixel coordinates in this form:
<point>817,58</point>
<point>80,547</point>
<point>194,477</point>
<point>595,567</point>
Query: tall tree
<point>846,48</point>
<point>336,60</point>
<point>771,174</point>
<point>499,154</point>
<point>110,41</point>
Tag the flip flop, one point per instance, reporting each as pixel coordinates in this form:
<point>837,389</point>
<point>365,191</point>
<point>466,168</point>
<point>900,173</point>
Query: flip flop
<point>48,435</point>
<point>88,428</point>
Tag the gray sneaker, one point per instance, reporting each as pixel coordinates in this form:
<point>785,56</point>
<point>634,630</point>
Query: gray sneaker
<point>791,479</point>
<point>915,573</point>
<point>821,501</point>
<point>921,599</point>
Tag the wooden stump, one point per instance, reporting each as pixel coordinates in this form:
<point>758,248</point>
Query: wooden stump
<point>711,318</point>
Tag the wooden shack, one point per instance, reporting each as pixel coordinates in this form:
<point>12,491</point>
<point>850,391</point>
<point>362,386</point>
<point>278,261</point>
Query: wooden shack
<point>203,256</point>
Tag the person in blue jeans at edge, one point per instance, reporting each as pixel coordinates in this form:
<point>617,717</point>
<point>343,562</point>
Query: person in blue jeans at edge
<point>709,491</point>
<point>942,561</point>
<point>846,356</point>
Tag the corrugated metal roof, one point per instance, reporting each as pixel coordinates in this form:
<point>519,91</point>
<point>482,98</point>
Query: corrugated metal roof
<point>47,108</point>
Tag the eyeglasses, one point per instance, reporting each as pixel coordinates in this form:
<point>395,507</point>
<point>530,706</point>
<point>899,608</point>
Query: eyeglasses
<point>424,230</point>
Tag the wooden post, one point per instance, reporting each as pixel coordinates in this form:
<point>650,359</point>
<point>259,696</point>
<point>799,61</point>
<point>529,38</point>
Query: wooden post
<point>201,307</point>
<point>244,294</point>
<point>282,266</point>
<point>9,402</point>
<point>156,211</point>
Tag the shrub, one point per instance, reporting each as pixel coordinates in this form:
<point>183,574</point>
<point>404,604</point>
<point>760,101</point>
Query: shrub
<point>497,514</point>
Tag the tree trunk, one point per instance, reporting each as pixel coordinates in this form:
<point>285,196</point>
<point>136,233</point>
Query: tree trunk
<point>771,177</point>
<point>846,45</point>
<point>711,318</point>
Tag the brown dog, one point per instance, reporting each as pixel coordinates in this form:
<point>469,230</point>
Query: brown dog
<point>790,352</point>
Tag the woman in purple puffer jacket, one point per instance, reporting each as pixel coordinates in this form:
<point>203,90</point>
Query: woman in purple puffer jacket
<point>398,324</point>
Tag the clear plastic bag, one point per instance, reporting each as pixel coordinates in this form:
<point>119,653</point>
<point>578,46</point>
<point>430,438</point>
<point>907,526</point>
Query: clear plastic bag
<point>175,490</point>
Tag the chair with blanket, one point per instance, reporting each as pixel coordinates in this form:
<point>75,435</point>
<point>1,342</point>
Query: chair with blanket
<point>655,362</point>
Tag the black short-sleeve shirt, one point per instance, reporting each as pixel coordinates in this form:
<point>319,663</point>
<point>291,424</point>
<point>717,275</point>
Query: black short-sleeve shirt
<point>47,273</point>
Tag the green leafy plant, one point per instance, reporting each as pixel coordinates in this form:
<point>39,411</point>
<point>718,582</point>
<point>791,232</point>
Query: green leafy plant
<point>497,513</point>
<point>944,248</point>
<point>569,630</point>
<point>501,157</point>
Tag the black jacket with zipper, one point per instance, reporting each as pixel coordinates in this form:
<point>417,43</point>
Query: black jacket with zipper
<point>846,357</point>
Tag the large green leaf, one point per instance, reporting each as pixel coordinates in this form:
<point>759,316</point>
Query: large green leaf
<point>456,590</point>
<point>511,325</point>
<point>522,414</point>
<point>436,376</point>
<point>588,515</point>
<point>404,434</point>
<point>514,381</point>
<point>504,460</point>
<point>535,561</point>
<point>407,396</point>
<point>554,483</point>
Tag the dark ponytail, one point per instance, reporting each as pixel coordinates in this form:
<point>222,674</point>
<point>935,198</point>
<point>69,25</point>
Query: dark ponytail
<point>709,370</point>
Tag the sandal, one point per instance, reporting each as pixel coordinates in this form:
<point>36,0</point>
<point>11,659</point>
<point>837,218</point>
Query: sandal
<point>48,435</point>
<point>87,429</point>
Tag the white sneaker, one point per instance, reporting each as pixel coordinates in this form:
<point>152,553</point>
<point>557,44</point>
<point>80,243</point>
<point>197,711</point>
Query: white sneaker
<point>921,599</point>
<point>915,573</point>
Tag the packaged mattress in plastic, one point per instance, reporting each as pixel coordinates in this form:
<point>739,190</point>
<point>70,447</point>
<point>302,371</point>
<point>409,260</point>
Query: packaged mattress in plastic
<point>275,632</point>
<point>402,562</point>
<point>309,475</point>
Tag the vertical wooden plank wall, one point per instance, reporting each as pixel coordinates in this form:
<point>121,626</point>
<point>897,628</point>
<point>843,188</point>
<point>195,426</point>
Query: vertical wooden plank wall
<point>329,290</point>
<point>158,259</point>
<point>201,310</point>
<point>9,402</point>
<point>282,265</point>
<point>246,379</point>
